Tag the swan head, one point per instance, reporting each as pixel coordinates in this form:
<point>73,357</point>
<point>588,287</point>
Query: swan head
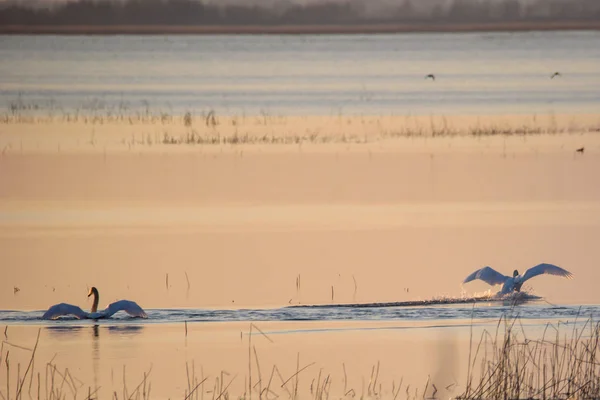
<point>93,291</point>
<point>515,274</point>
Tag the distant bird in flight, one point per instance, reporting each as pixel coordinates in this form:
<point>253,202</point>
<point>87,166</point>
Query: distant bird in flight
<point>580,150</point>
<point>514,283</point>
<point>555,75</point>
<point>432,76</point>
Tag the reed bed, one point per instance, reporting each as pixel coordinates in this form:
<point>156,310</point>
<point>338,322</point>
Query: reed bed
<point>207,128</point>
<point>555,366</point>
<point>54,383</point>
<point>503,365</point>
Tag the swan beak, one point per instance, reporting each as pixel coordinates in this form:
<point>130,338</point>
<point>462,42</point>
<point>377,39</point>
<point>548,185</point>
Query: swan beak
<point>90,293</point>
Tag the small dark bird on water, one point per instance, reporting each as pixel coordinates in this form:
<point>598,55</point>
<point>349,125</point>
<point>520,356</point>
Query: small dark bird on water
<point>432,76</point>
<point>555,75</point>
<point>580,150</point>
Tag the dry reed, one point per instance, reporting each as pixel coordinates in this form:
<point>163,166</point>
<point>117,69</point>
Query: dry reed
<point>506,364</point>
<point>515,367</point>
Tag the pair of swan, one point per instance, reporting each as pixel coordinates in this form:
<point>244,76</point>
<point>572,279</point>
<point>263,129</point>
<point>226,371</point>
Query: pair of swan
<point>64,309</point>
<point>513,283</point>
<point>492,277</point>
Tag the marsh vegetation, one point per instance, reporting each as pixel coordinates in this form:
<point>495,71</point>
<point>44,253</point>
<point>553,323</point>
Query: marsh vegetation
<point>562,363</point>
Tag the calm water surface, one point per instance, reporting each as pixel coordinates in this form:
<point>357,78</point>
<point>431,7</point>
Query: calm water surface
<point>476,73</point>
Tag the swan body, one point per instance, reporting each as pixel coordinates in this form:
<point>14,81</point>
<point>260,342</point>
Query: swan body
<point>513,283</point>
<point>64,309</point>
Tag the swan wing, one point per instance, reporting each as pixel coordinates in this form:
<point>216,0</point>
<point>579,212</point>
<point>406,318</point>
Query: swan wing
<point>546,269</point>
<point>488,275</point>
<point>64,309</point>
<point>130,307</point>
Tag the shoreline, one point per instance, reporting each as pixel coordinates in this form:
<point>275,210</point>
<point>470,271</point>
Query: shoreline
<point>297,29</point>
<point>215,134</point>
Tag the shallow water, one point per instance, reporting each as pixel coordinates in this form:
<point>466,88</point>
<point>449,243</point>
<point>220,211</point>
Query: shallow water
<point>536,309</point>
<point>233,237</point>
<point>303,74</point>
<point>175,348</point>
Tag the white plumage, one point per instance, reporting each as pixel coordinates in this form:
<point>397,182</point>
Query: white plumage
<point>61,309</point>
<point>130,307</point>
<point>64,309</point>
<point>514,283</point>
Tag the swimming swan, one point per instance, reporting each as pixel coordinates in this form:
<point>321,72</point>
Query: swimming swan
<point>514,283</point>
<point>64,309</point>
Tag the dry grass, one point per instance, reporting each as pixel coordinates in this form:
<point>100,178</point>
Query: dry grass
<point>208,128</point>
<point>552,367</point>
<point>54,383</point>
<point>504,366</point>
<point>61,384</point>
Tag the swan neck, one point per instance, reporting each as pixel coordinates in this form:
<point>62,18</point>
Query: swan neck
<point>96,298</point>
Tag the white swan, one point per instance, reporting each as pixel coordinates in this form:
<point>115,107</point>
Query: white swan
<point>514,283</point>
<point>64,309</point>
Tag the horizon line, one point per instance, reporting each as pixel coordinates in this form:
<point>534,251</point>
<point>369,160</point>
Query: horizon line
<point>366,28</point>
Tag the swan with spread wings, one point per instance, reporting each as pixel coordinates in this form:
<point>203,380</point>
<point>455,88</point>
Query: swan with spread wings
<point>514,283</point>
<point>64,309</point>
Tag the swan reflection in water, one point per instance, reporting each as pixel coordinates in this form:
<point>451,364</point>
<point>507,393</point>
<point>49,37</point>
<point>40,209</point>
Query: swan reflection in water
<point>69,331</point>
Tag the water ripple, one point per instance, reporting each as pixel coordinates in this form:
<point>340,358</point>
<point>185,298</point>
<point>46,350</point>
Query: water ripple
<point>406,311</point>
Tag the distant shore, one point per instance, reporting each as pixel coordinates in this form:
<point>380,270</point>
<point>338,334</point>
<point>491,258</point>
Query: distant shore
<point>263,133</point>
<point>295,29</point>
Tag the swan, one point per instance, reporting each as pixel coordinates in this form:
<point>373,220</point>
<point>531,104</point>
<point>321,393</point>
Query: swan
<point>64,309</point>
<point>514,283</point>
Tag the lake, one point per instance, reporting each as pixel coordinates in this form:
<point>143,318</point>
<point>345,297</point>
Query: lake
<point>475,73</point>
<point>167,357</point>
<point>320,250</point>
